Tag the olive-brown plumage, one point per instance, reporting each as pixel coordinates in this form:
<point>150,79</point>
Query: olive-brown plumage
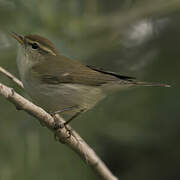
<point>56,82</point>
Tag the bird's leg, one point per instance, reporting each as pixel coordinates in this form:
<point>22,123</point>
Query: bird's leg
<point>70,120</point>
<point>62,125</point>
<point>73,117</point>
<point>59,125</point>
<point>63,110</point>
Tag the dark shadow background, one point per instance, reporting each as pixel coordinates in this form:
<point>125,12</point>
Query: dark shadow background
<point>136,132</point>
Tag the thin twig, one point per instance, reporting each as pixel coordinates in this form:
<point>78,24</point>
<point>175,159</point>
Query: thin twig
<point>74,141</point>
<point>10,76</point>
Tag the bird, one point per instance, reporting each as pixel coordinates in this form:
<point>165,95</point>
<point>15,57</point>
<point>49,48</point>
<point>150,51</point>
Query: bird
<point>62,85</point>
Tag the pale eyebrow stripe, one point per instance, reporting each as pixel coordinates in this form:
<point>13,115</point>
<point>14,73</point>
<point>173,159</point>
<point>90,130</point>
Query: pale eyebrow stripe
<point>41,47</point>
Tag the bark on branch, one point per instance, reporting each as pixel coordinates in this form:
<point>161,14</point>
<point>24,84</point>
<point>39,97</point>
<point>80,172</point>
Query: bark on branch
<point>74,141</point>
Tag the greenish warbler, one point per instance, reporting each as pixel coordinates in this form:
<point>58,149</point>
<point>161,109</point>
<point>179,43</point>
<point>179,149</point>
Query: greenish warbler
<point>59,84</point>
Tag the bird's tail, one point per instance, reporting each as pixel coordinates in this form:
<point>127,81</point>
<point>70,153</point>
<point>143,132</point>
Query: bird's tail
<point>138,83</point>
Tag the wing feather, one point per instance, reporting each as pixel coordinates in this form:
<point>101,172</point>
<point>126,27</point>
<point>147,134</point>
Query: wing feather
<point>64,70</point>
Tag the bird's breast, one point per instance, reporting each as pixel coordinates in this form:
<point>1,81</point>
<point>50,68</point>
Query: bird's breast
<point>54,97</point>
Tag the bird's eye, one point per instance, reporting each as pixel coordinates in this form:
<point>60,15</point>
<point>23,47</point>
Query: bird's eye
<point>34,45</point>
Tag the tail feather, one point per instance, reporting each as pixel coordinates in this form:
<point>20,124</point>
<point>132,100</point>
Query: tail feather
<point>138,83</point>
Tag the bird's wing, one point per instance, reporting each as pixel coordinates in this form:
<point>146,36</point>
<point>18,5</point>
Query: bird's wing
<point>65,70</point>
<point>122,77</point>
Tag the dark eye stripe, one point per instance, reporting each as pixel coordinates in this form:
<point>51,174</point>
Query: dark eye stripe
<point>41,48</point>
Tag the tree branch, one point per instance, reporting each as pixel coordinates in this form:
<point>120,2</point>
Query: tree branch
<point>73,140</point>
<point>10,76</point>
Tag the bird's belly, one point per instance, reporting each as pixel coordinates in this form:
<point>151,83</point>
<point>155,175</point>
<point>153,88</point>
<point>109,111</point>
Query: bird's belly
<point>58,97</point>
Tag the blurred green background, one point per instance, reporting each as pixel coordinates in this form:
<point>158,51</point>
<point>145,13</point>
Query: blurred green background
<point>136,132</point>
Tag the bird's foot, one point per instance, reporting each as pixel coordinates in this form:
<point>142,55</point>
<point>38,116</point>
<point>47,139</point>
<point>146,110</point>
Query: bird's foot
<point>58,126</point>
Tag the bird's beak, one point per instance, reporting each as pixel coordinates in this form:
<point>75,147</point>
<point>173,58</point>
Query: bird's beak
<point>18,37</point>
